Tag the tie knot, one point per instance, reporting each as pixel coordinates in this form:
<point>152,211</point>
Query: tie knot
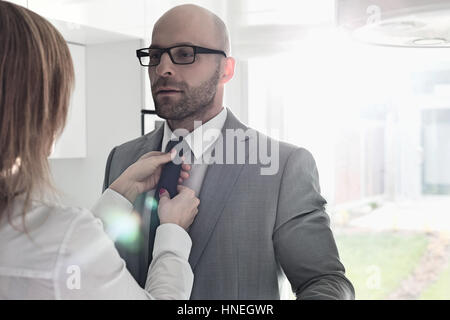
<point>173,143</point>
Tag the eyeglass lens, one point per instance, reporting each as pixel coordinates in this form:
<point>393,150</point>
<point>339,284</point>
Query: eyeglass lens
<point>180,55</point>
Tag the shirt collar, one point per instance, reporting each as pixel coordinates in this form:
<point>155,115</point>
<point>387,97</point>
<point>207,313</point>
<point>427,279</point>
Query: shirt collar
<point>202,137</point>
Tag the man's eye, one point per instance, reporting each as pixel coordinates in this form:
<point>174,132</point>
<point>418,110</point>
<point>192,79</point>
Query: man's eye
<point>185,54</point>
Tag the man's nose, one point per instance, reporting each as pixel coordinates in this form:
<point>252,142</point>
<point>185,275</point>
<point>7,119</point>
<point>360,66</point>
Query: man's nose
<point>165,66</point>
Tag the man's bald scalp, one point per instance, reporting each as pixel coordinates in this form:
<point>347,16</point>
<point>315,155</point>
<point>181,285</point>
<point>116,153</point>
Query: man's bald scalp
<point>222,33</point>
<point>220,29</point>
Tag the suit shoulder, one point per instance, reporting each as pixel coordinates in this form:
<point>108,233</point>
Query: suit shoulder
<point>137,143</point>
<point>131,145</point>
<point>285,148</point>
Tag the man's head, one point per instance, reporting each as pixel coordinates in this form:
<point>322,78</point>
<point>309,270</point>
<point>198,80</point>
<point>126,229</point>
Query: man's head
<point>189,91</point>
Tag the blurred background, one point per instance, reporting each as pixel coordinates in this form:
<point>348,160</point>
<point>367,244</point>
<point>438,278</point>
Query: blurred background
<point>364,85</point>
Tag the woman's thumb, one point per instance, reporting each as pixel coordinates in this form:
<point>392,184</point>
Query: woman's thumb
<point>162,158</point>
<point>163,195</point>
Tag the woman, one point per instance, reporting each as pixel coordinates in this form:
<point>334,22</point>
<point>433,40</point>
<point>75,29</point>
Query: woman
<point>48,251</point>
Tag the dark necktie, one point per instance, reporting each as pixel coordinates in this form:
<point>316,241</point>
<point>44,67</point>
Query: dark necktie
<point>169,181</point>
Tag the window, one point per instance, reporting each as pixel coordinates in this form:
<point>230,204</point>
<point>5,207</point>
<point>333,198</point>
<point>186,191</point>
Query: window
<point>377,121</point>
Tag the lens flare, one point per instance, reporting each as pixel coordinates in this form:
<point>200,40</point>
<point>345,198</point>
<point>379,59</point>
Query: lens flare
<point>123,228</point>
<point>151,203</point>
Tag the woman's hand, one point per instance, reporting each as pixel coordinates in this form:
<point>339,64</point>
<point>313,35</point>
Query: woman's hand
<point>143,175</point>
<point>180,210</point>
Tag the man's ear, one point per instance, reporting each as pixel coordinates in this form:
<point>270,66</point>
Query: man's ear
<point>228,70</point>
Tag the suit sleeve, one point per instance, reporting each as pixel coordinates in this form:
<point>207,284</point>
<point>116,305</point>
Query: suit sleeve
<point>303,241</point>
<point>106,181</point>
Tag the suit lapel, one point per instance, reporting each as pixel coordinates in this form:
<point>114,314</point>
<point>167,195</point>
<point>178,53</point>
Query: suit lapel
<point>216,189</point>
<point>152,143</point>
<point>213,199</point>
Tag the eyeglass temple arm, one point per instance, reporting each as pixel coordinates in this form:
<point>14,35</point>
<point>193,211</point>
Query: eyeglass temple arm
<point>205,50</point>
<point>140,53</point>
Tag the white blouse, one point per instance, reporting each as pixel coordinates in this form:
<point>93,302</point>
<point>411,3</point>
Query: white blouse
<point>66,254</point>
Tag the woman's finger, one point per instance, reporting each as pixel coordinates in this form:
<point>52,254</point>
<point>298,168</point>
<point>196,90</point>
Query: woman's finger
<point>182,188</point>
<point>164,196</point>
<point>150,154</point>
<point>184,174</point>
<point>160,159</point>
<point>186,167</point>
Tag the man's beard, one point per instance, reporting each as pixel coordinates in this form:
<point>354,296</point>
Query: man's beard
<point>193,101</point>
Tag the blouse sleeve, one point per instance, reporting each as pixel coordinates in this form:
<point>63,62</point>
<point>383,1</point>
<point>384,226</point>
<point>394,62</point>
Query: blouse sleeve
<point>89,266</point>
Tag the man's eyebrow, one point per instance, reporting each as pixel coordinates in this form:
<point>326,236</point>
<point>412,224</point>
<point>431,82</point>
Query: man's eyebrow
<point>155,46</point>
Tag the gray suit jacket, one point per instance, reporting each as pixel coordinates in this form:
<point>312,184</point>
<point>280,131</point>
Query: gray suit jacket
<point>250,228</point>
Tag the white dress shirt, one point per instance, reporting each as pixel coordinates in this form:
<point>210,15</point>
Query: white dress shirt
<point>66,254</point>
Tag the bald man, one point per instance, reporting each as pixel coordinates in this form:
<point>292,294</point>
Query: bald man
<point>252,227</point>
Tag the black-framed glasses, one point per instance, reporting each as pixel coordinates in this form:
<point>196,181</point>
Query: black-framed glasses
<point>181,54</point>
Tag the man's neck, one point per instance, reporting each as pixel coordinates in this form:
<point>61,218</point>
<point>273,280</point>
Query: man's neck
<point>188,123</point>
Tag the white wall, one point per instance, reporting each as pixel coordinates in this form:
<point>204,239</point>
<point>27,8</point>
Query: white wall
<point>113,100</point>
<point>72,142</point>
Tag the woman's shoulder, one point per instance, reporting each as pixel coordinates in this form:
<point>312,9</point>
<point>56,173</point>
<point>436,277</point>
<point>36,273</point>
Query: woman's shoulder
<point>66,215</point>
<point>57,218</point>
<point>43,236</point>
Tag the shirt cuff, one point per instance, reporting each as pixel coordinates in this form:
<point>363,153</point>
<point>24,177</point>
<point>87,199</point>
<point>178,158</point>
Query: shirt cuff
<point>110,201</point>
<point>171,237</point>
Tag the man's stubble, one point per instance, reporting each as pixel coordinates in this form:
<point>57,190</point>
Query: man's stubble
<point>194,100</point>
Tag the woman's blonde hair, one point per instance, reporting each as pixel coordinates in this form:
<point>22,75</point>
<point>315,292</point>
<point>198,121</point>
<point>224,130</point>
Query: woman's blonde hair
<point>36,80</point>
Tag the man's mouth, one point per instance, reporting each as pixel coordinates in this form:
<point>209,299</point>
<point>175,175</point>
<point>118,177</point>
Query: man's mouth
<point>167,91</point>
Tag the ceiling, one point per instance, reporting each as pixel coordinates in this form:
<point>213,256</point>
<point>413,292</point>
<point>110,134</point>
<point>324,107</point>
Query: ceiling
<point>406,23</point>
